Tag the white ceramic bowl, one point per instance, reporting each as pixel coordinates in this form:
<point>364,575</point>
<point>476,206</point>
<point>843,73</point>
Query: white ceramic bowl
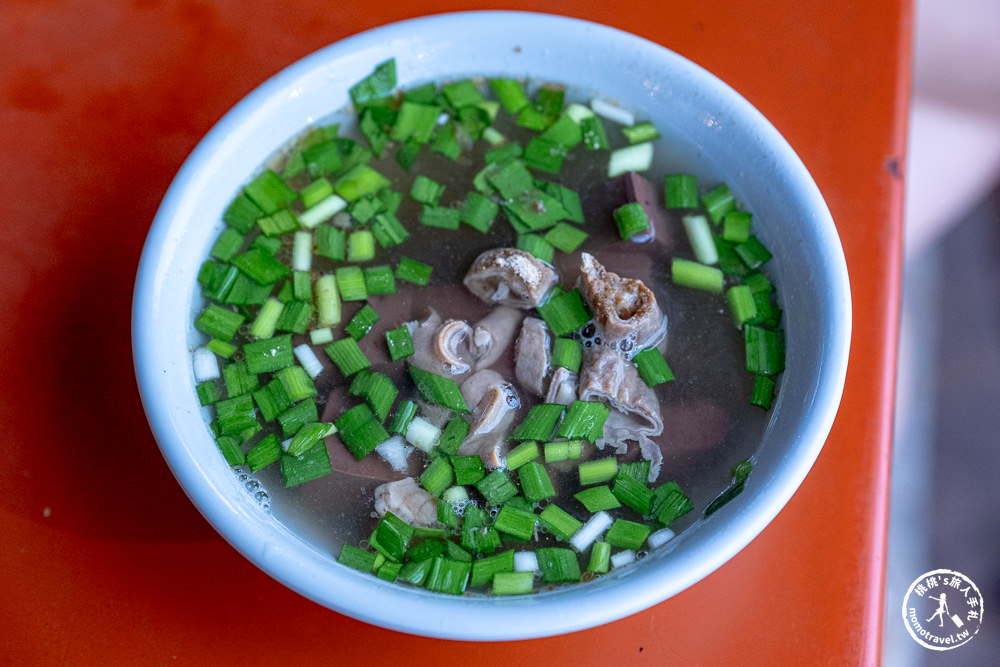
<point>719,135</point>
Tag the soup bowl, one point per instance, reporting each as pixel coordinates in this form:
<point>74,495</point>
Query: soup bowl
<point>712,132</point>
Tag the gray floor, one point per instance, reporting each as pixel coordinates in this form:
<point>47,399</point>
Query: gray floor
<point>946,468</point>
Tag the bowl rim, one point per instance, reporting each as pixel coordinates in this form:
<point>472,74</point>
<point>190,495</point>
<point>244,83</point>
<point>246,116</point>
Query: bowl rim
<point>306,570</point>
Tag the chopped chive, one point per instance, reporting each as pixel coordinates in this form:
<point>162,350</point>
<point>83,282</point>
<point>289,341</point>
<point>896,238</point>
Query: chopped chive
<point>653,368</point>
<point>399,342</point>
<point>632,493</point>
<point>562,450</point>
<point>600,558</point>
<point>635,157</point>
<point>496,487</point>
<point>539,422</point>
<point>218,322</point>
<point>536,246</point>
<point>362,322</point>
<point>468,469</point>
<point>515,523</point>
<point>718,202</point>
<point>485,569</point>
<point>351,283</point>
<point>640,132</point>
<point>348,357</point>
<point>270,354</point>
<point>264,453</point>
<point>559,522</point>
<point>765,350</point>
<point>558,565</point>
<point>627,534</point>
<point>598,498</point>
<point>669,502</point>
<point>763,391</point>
<point>438,389</point>
<point>535,482</point>
<point>292,419</point>
<point>741,304</point>
<point>680,191</point>
<point>598,470</point>
<point>405,412</point>
<point>631,220</point>
<point>524,452</point>
<point>686,273</point>
<point>314,464</point>
<point>584,419</point>
<point>565,237</point>
<point>413,271</point>
<point>565,312</point>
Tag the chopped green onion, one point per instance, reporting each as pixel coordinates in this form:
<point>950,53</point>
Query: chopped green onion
<point>631,220</point>
<point>758,283</point>
<point>230,448</point>
<point>388,230</point>
<point>564,131</point>
<point>567,353</point>
<point>477,534</point>
<point>598,470</point>
<point>416,121</point>
<point>565,237</point>
<point>752,252</point>
<point>296,383</point>
<point>260,265</point>
<point>413,271</point>
<point>544,155</point>
<point>438,389</point>
<point>680,191</point>
<point>218,322</point>
<point>557,565</point>
<point>292,419</point>
<point>267,318</point>
<point>565,312</point>
<point>637,470</point>
<point>524,452</point>
<point>718,201</point>
<point>264,453</point>
<point>376,86</point>
<point>536,246</point>
<point>736,226</point>
<point>741,304</point>
<point>422,434</point>
<point>321,336</point>
<point>270,354</point>
<point>765,350</point>
<point>360,431</point>
<point>513,583</point>
<point>598,498</point>
<point>440,216</point>
<point>415,572</point>
<point>448,576</point>
<point>562,450</point>
<point>426,190</point>
<point>269,192</point>
<point>644,131</point>
<point>686,273</point>
<point>360,180</point>
<point>399,342</point>
<point>468,469</point>
<point>227,244</point>
<point>539,422</point>
<point>452,435</point>
<point>669,502</point>
<point>221,348</point>
<point>322,210</point>
<point>238,379</point>
<point>595,137</point>
<point>307,436</point>
<point>357,558</point>
<point>653,368</point>
<point>405,412</point>
<point>485,569</point>
<point>272,400</point>
<point>510,93</point>
<point>242,213</point>
<point>351,282</point>
<point>348,357</point>
<point>559,522</point>
<point>763,391</point>
<point>515,523</point>
<point>276,224</point>
<point>700,236</point>
<point>627,534</point>
<point>584,419</point>
<point>636,157</point>
<point>591,531</point>
<point>632,493</point>
<point>377,389</point>
<point>314,464</point>
<point>295,317</point>
<point>496,487</point>
<point>362,322</point>
<point>316,191</point>
<point>438,476</point>
<point>327,298</point>
<point>331,242</point>
<point>208,392</point>
<point>360,246</point>
<point>479,211</point>
<point>535,482</point>
<point>600,558</point>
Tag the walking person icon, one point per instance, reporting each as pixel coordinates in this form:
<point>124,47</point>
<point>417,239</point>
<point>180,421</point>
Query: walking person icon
<point>941,610</point>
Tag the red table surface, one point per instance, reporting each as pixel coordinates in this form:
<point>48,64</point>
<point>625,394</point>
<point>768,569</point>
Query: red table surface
<point>103,558</point>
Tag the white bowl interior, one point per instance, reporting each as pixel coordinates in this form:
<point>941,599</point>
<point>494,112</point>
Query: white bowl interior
<point>711,131</point>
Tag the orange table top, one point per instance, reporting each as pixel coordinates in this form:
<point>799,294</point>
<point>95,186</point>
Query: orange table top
<point>103,557</point>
